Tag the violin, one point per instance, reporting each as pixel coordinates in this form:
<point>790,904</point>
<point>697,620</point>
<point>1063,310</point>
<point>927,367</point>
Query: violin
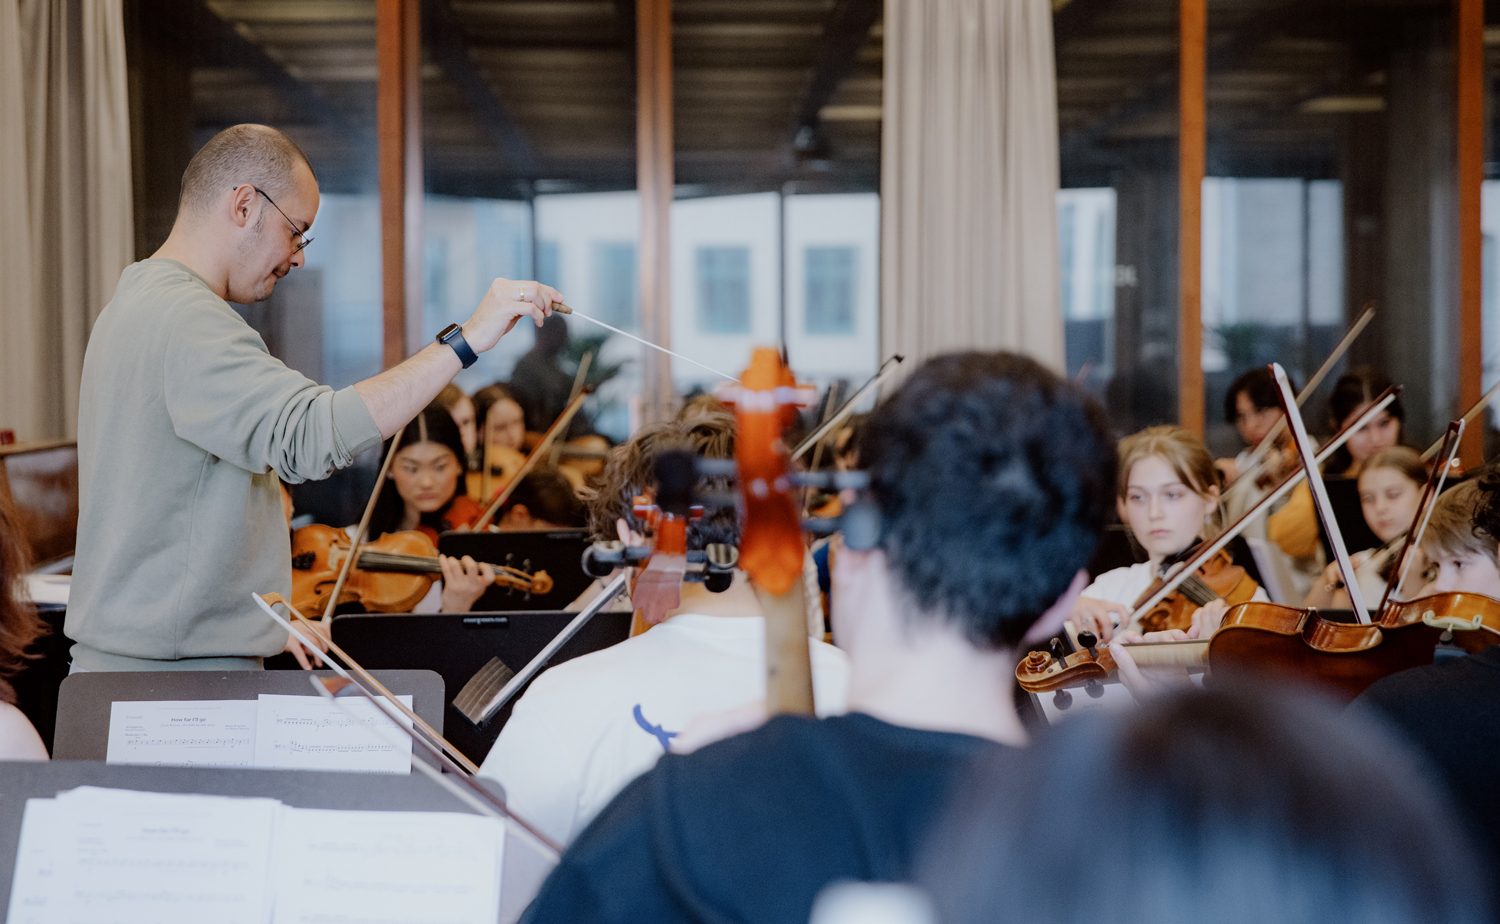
<point>392,575</point>
<point>1219,578</point>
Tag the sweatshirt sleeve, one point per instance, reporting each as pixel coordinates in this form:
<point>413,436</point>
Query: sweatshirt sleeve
<point>1294,528</point>
<point>228,396</point>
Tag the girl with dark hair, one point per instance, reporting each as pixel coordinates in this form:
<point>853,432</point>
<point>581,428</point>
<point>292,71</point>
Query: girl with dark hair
<point>1294,528</point>
<point>19,628</point>
<point>1390,490</point>
<point>421,492</point>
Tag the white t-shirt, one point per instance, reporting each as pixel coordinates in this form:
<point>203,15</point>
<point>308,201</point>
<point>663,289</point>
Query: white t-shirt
<point>1125,586</point>
<point>587,727</point>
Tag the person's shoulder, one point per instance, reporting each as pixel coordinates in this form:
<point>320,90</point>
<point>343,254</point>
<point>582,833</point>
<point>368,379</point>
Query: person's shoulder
<point>828,748</point>
<point>18,739</point>
<point>1113,581</point>
<point>1418,687</point>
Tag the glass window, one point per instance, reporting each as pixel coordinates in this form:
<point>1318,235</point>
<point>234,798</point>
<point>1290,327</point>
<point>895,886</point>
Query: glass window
<point>1086,263</point>
<point>547,270</point>
<point>830,290</point>
<point>723,289</point>
<point>616,294</point>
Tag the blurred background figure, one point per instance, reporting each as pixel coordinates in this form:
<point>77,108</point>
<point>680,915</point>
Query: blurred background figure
<point>453,400</point>
<point>540,383</point>
<point>1230,807</point>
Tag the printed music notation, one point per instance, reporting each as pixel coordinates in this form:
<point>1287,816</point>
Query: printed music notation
<point>311,733</point>
<point>279,732</point>
<point>96,855</point>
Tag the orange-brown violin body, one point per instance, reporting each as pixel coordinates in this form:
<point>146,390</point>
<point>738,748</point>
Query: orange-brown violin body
<point>1345,658</point>
<point>1226,579</point>
<point>376,591</point>
<point>393,573</point>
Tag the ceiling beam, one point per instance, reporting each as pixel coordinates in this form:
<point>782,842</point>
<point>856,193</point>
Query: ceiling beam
<point>844,34</point>
<point>1075,18</point>
<point>449,48</point>
<point>217,41</point>
<point>1161,88</point>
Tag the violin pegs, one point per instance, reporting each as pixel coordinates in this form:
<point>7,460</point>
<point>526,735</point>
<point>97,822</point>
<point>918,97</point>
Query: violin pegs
<point>1062,699</point>
<point>1088,640</point>
<point>1059,650</point>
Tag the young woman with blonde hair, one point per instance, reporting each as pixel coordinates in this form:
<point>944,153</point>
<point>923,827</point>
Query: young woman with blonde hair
<point>1168,496</point>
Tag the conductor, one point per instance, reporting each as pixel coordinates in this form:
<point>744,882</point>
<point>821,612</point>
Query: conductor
<point>186,422</point>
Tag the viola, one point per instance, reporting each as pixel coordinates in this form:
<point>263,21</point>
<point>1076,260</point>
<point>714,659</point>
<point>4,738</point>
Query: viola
<point>392,575</point>
<point>1219,578</point>
<point>772,552</point>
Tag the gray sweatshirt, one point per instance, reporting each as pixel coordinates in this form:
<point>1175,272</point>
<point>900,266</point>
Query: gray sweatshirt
<point>184,423</point>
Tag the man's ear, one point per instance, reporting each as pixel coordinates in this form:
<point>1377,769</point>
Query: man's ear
<point>241,204</point>
<point>1051,622</point>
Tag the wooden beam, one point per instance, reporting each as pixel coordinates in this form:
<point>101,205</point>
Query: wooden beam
<point>1469,41</point>
<point>654,179</point>
<point>1191,141</point>
<point>398,117</point>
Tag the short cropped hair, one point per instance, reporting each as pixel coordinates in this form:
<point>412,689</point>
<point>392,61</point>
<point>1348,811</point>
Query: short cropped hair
<point>1459,523</point>
<point>994,478</point>
<point>247,153</point>
<point>1237,807</point>
<point>630,471</point>
<point>548,496</point>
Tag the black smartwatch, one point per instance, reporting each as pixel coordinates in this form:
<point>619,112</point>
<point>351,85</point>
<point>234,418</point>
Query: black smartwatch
<point>453,336</point>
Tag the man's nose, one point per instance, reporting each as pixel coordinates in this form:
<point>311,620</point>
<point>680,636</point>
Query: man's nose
<point>297,259</point>
<point>1445,581</point>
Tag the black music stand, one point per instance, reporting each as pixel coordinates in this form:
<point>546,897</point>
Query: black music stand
<point>83,703</point>
<point>559,552</point>
<point>457,645</point>
<point>523,868</point>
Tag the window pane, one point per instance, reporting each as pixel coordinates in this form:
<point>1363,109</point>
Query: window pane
<point>616,295</point>
<point>830,290</point>
<point>724,290</point>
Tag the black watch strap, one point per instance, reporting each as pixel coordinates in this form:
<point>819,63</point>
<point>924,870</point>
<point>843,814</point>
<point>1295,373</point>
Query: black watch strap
<point>453,336</point>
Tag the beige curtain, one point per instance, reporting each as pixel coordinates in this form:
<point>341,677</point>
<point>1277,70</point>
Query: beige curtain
<point>65,197</point>
<point>969,179</point>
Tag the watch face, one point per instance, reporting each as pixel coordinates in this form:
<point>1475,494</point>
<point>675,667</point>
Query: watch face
<point>449,331</point>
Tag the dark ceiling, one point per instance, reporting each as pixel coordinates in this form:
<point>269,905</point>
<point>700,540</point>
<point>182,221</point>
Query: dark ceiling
<point>525,96</point>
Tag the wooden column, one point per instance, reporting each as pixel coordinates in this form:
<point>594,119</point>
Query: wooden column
<point>398,117</point>
<point>654,178</point>
<point>1469,119</point>
<point>1191,140</point>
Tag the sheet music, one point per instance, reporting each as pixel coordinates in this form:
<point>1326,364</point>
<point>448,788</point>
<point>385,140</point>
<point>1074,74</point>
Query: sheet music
<point>311,733</point>
<point>102,856</point>
<point>391,867</point>
<point>31,889</point>
<point>190,733</point>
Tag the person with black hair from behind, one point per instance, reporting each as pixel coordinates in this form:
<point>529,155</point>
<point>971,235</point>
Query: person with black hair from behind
<point>1231,806</point>
<point>1450,710</point>
<point>586,728</point>
<point>993,477</point>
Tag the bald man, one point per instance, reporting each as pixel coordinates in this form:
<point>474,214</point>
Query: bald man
<point>186,422</point>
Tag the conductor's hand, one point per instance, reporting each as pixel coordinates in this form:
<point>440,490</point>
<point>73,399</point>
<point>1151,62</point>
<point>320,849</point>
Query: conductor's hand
<point>464,581</point>
<point>506,302</point>
<point>309,658</point>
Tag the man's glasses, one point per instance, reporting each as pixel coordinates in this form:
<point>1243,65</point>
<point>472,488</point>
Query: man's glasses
<point>302,242</point>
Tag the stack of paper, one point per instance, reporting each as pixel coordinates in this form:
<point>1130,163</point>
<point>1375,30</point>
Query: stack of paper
<point>105,856</point>
<point>276,732</point>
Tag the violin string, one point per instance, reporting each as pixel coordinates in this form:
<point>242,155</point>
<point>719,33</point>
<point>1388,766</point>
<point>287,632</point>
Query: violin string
<point>623,333</point>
